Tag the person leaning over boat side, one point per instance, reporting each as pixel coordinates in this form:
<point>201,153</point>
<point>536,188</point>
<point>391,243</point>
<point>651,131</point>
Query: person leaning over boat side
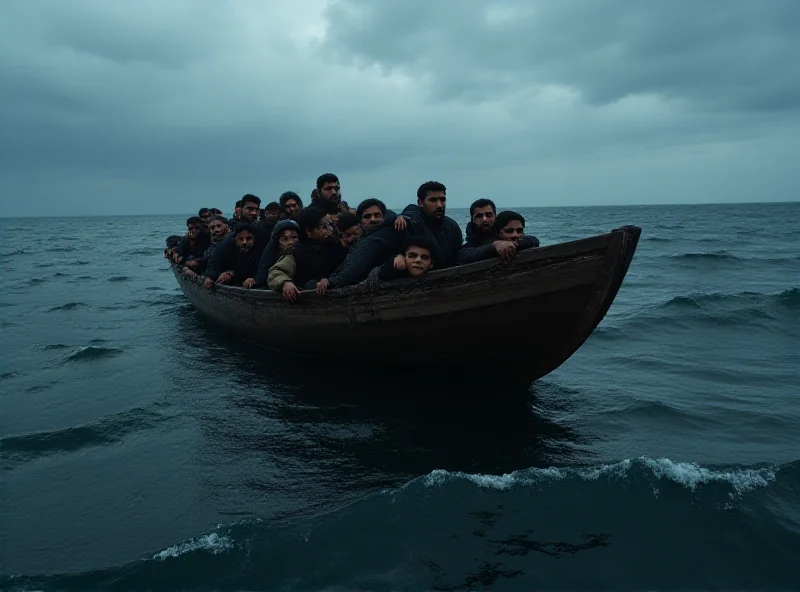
<point>349,229</point>
<point>172,245</point>
<point>428,218</point>
<point>218,227</point>
<point>370,213</point>
<point>194,243</point>
<point>481,241</point>
<point>315,256</point>
<point>510,226</point>
<point>240,265</point>
<point>291,204</point>
<point>415,261</point>
<point>284,235</point>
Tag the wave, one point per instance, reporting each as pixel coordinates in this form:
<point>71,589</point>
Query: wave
<point>119,278</point>
<point>60,250</point>
<point>775,311</point>
<point>14,253</point>
<point>146,251</point>
<point>109,430</point>
<point>67,306</point>
<point>709,256</point>
<point>90,353</point>
<point>450,530</point>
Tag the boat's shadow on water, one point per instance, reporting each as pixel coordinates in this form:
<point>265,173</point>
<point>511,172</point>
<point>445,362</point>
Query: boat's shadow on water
<point>394,425</point>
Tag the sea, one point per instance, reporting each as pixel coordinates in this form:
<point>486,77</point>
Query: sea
<point>143,449</point>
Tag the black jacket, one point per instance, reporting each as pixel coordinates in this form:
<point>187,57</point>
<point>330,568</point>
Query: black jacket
<point>479,247</point>
<point>369,252</point>
<point>314,263</point>
<point>202,262</point>
<point>224,258</point>
<point>186,250</point>
<point>445,233</point>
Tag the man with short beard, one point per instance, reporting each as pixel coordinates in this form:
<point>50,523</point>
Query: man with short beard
<point>218,228</point>
<point>291,204</point>
<point>194,243</point>
<point>371,213</point>
<point>483,241</point>
<point>328,191</point>
<point>239,266</point>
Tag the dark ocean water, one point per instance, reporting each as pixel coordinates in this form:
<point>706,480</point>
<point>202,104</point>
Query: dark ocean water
<point>141,449</point>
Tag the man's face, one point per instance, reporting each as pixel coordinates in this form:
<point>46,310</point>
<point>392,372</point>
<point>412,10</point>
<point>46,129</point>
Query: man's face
<point>323,232</point>
<point>512,231</point>
<point>250,211</point>
<point>350,236</point>
<point>218,230</point>
<point>192,230</point>
<point>434,204</point>
<point>371,217</point>
<point>483,218</point>
<point>418,261</point>
<point>237,212</point>
<point>287,239</point>
<point>331,191</point>
<point>245,241</point>
<point>291,208</point>
<point>273,214</point>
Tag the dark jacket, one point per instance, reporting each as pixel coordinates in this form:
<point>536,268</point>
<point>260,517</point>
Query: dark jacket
<point>202,262</point>
<point>445,234</point>
<point>186,250</point>
<point>369,252</point>
<point>225,258</point>
<point>312,263</point>
<point>479,246</point>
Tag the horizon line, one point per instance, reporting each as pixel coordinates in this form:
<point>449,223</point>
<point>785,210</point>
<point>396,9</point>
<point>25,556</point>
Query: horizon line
<point>652,205</point>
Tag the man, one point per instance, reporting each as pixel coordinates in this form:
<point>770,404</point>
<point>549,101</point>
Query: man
<point>237,266</point>
<point>173,242</point>
<point>269,217</point>
<point>328,191</point>
<point>415,261</point>
<point>194,243</point>
<point>428,218</point>
<point>504,239</point>
<point>237,212</point>
<point>218,227</point>
<point>205,215</point>
<point>216,212</point>
<point>291,204</point>
<point>349,229</point>
<point>371,213</point>
<point>312,259</point>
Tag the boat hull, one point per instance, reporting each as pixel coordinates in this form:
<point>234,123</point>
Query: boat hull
<point>533,313</point>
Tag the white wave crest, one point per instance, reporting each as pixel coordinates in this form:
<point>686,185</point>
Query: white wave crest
<point>687,474</point>
<point>213,543</point>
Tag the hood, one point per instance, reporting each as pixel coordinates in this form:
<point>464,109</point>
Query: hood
<point>282,225</point>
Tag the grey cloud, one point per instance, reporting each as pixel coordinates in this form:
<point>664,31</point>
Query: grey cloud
<point>734,55</point>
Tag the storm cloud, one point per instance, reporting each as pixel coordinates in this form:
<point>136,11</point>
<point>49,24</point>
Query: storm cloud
<point>165,106</point>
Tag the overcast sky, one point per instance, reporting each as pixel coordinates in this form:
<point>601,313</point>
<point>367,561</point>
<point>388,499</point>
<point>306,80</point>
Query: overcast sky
<point>164,106</point>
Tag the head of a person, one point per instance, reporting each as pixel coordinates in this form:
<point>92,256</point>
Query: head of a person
<point>237,210</point>
<point>290,204</point>
<point>349,229</point>
<point>173,241</point>
<point>482,213</point>
<point>328,188</point>
<point>371,213</point>
<point>272,212</point>
<point>509,226</point>
<point>193,227</point>
<point>251,207</point>
<point>315,226</point>
<point>245,236</point>
<point>431,198</point>
<point>216,212</point>
<point>218,227</point>
<point>285,234</point>
<point>418,255</point>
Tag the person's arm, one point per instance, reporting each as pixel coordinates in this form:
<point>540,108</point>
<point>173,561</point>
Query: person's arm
<point>527,242</point>
<point>472,254</point>
<point>282,272</point>
<point>366,254</point>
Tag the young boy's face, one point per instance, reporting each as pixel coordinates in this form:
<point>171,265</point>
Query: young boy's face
<point>287,238</point>
<point>418,261</point>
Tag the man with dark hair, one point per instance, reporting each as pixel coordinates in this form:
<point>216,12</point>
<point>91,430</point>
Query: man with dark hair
<point>414,261</point>
<point>371,213</point>
<point>481,242</point>
<point>194,243</point>
<point>204,214</point>
<point>251,208</point>
<point>218,227</point>
<point>172,245</point>
<point>312,259</point>
<point>237,212</point>
<point>269,216</point>
<point>349,229</point>
<point>507,238</point>
<point>327,191</point>
<point>237,266</point>
<point>216,212</point>
<point>291,204</point>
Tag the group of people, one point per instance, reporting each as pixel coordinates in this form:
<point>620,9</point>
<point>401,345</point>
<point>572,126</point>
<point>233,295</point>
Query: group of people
<point>289,248</point>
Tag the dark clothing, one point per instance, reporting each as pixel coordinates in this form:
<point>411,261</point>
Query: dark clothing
<point>479,247</point>
<point>369,252</point>
<point>316,263</point>
<point>265,228</point>
<point>445,234</point>
<point>272,251</point>
<point>202,262</point>
<point>196,250</point>
<point>389,272</point>
<point>226,257</point>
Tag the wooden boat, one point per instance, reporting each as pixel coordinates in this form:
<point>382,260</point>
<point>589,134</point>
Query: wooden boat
<point>533,313</point>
